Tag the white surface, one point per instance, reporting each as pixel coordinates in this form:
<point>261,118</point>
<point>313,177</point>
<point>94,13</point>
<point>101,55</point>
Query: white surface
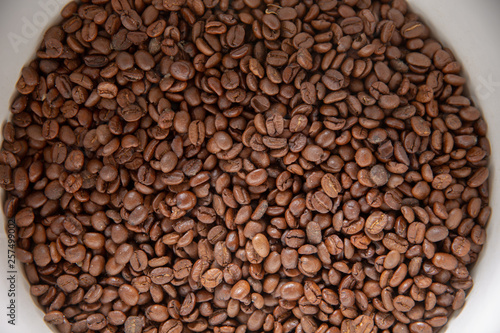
<point>470,28</point>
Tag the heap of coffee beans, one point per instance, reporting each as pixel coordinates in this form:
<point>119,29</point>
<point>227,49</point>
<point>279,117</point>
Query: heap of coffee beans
<point>248,165</point>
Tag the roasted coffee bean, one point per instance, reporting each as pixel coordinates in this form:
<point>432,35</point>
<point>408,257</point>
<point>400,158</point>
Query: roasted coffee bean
<point>376,222</point>
<point>212,278</point>
<point>261,245</point>
<point>182,70</point>
<point>232,166</point>
<point>96,321</point>
<point>134,324</point>
<point>330,185</point>
<point>445,261</point>
<point>240,290</point>
<point>292,291</point>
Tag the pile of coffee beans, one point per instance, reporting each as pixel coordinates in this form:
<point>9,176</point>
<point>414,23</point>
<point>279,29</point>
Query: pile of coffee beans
<point>248,165</point>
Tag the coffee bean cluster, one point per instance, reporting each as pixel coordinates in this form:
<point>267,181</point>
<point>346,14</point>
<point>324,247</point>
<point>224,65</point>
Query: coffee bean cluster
<point>248,165</point>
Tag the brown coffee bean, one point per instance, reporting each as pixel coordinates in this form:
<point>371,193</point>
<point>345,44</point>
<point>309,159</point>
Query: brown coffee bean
<point>128,294</point>
<point>460,246</point>
<point>304,59</point>
<point>274,58</point>
<point>321,202</point>
<point>212,278</point>
<point>240,290</point>
<point>309,265</point>
<point>261,245</point>
<point>138,215</point>
<point>157,313</point>
<point>182,70</point>
<point>292,291</point>
<point>364,157</point>
<point>67,283</point>
<point>436,233</point>
<point>256,177</point>
<point>403,303</point>
<point>107,90</point>
<point>25,217</point>
<point>376,222</point>
<point>420,126</point>
<point>333,80</point>
<point>235,36</point>
<point>362,324</point>
<point>144,60</point>
<point>197,132</point>
<point>445,261</point>
<point>223,140</point>
<point>134,324</point>
<point>312,153</point>
<point>96,321</point>
<point>420,327</point>
<point>479,177</point>
<point>330,185</point>
<point>418,60</point>
<point>162,275</point>
<point>379,175</point>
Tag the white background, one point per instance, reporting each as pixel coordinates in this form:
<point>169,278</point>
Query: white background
<point>470,28</point>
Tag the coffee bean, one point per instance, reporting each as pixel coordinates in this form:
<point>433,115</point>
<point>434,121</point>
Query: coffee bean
<point>420,327</point>
<point>25,217</point>
<point>274,58</point>
<point>96,321</point>
<point>330,185</point>
<point>436,233</point>
<point>67,283</point>
<point>235,36</point>
<point>304,59</point>
<point>460,246</point>
<point>157,313</point>
<point>352,25</point>
<point>418,60</point>
<point>420,126</point>
<point>240,290</point>
<point>376,222</point>
<point>362,324</point>
<point>144,60</point>
<point>223,140</point>
<point>479,177</point>
<point>182,70</point>
<point>364,157</point>
<point>197,132</point>
<point>128,294</point>
<point>107,90</point>
<point>403,303</point>
<point>261,245</point>
<point>292,291</point>
<point>445,261</point>
<point>134,324</point>
<point>321,202</point>
<point>256,177</point>
<point>138,215</point>
<point>212,278</point>
<point>313,231</point>
<point>215,27</point>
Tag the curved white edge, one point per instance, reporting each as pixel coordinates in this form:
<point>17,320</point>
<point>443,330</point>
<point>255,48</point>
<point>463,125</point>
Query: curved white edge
<point>471,30</point>
<point>22,24</point>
